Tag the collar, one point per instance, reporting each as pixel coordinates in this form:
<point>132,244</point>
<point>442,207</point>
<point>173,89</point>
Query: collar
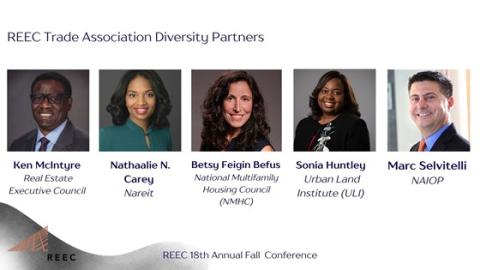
<point>52,136</point>
<point>131,125</point>
<point>432,139</point>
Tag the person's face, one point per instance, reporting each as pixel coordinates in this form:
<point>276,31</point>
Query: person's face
<point>237,106</point>
<point>331,97</point>
<point>429,108</point>
<point>140,100</point>
<point>49,105</point>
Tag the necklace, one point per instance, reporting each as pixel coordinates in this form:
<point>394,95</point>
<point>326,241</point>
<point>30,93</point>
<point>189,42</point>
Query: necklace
<point>324,135</point>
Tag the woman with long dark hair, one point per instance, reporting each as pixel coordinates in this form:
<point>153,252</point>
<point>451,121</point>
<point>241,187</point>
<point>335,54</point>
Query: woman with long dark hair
<point>139,109</point>
<point>234,115</point>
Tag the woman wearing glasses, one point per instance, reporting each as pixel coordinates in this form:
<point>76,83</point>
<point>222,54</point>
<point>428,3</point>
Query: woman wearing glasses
<point>334,123</point>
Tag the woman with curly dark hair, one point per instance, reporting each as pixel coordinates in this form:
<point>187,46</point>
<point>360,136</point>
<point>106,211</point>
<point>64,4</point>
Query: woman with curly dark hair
<point>234,115</point>
<point>334,123</point>
<point>139,109</point>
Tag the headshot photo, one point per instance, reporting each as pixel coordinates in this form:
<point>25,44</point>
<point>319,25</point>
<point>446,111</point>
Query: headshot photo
<point>236,110</point>
<point>140,110</point>
<point>334,110</point>
<point>428,110</point>
<point>48,110</point>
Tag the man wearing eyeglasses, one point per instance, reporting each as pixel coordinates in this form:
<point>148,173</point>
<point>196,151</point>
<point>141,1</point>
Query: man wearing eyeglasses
<point>51,100</point>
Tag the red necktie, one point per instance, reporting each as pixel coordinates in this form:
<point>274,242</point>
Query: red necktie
<point>421,146</point>
<point>43,146</point>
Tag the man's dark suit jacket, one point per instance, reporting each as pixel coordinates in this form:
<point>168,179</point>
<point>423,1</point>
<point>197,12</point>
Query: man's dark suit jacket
<point>450,140</point>
<point>71,139</point>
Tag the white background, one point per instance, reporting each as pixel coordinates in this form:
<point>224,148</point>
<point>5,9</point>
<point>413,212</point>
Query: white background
<point>396,226</point>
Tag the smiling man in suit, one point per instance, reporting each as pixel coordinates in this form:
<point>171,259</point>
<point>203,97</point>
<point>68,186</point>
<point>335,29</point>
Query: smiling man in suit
<point>431,101</point>
<point>51,100</point>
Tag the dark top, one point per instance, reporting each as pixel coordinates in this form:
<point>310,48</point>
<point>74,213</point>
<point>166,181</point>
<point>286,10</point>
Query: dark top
<point>347,132</point>
<point>257,147</point>
<point>130,137</point>
<point>450,140</point>
<point>71,139</point>
<point>233,146</point>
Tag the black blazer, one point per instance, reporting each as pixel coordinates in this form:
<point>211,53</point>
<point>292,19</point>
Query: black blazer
<point>351,134</point>
<point>71,139</point>
<point>450,140</point>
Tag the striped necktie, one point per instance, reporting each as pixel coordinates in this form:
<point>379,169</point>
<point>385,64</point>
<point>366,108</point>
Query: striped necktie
<point>43,144</point>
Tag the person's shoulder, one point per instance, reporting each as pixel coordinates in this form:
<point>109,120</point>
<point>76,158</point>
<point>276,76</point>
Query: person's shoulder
<point>351,120</point>
<point>109,129</point>
<point>163,133</point>
<point>23,142</point>
<point>350,117</point>
<point>458,143</point>
<point>106,135</point>
<point>81,140</point>
<point>262,142</point>
<point>27,136</point>
<point>453,141</point>
<point>163,130</point>
<point>81,134</point>
<point>414,147</point>
<point>305,122</point>
<point>113,131</point>
<point>308,119</point>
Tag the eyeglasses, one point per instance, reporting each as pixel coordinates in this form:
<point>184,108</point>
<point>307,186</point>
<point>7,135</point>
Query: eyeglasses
<point>52,99</point>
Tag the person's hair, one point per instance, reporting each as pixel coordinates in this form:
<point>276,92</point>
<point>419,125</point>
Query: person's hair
<point>434,76</point>
<point>67,87</point>
<point>215,127</point>
<point>118,109</point>
<point>350,102</point>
